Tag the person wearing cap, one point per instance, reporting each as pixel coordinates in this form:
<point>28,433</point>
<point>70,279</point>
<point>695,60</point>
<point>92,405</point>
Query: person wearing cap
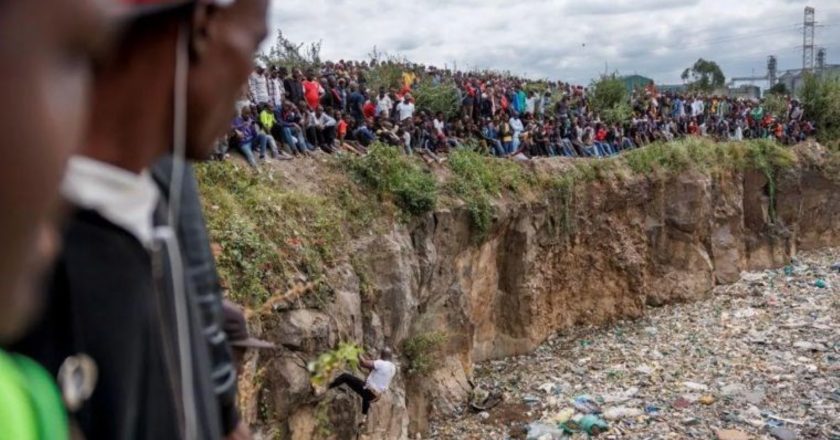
<point>123,296</point>
<point>49,42</point>
<point>238,337</point>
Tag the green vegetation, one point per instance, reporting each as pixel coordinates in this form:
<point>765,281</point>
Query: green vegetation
<point>478,180</point>
<point>821,101</point>
<point>609,99</point>
<point>285,53</point>
<point>776,105</point>
<point>387,75</point>
<point>422,352</point>
<point>268,235</point>
<point>276,239</point>
<point>346,355</point>
<point>704,76</point>
<point>394,176</point>
<point>434,98</point>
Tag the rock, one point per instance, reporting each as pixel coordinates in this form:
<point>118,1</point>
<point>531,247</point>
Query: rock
<point>782,433</point>
<point>484,415</point>
<point>731,434</point>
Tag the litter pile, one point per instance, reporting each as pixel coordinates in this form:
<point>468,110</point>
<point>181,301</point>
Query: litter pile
<point>760,359</point>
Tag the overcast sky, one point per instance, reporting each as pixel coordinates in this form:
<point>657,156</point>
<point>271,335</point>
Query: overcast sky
<point>565,39</point>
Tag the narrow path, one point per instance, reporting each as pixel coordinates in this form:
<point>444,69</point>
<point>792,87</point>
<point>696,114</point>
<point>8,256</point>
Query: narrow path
<point>760,358</point>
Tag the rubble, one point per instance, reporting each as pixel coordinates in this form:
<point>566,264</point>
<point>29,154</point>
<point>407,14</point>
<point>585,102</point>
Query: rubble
<point>759,359</point>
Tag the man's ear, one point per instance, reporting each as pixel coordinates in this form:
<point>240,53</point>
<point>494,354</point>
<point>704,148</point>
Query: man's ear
<point>202,30</point>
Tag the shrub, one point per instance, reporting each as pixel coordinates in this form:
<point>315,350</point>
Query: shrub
<point>391,174</point>
<point>434,98</point>
<point>776,105</point>
<point>422,352</point>
<point>478,179</point>
<point>609,99</point>
<point>387,75</point>
<point>821,102</point>
<point>344,356</point>
<point>268,235</point>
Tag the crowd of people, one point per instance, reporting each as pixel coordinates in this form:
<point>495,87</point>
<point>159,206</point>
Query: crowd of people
<point>288,113</point>
<point>112,321</point>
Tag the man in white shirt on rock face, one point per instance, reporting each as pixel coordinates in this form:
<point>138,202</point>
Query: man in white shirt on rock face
<point>382,371</point>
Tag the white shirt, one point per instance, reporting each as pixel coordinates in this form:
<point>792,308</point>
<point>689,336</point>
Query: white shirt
<point>530,105</point>
<point>325,120</point>
<point>276,91</point>
<point>406,110</point>
<point>380,378</point>
<point>439,126</point>
<point>125,199</point>
<point>258,86</point>
<point>383,105</point>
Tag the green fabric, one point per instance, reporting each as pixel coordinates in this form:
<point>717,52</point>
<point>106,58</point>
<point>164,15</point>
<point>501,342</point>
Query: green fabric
<point>30,406</point>
<point>49,408</point>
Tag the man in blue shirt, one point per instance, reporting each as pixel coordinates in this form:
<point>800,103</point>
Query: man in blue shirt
<point>246,133</point>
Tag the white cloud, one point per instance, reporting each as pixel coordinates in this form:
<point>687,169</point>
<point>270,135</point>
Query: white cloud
<point>564,39</point>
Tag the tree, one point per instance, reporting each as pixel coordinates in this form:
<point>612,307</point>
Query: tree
<point>821,102</point>
<point>779,89</point>
<point>434,98</point>
<point>609,99</point>
<point>704,76</point>
<point>285,53</point>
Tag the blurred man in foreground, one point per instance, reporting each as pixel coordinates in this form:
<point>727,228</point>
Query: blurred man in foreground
<point>46,50</point>
<point>125,296</point>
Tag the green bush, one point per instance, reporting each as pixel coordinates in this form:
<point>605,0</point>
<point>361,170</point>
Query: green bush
<point>776,105</point>
<point>609,99</point>
<point>478,179</point>
<point>387,75</point>
<point>268,235</point>
<point>821,102</point>
<point>434,98</point>
<point>423,352</point>
<point>391,174</point>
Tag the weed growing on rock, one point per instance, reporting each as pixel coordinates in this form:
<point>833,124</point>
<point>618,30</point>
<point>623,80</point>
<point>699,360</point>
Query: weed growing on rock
<point>393,175</point>
<point>267,235</point>
<point>422,352</point>
<point>478,180</point>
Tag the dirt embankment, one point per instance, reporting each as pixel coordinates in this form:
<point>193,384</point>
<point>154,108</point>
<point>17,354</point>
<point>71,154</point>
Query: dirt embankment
<point>605,251</point>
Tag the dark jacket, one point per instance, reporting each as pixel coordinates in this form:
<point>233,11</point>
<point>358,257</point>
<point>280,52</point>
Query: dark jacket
<point>112,299</point>
<point>201,270</point>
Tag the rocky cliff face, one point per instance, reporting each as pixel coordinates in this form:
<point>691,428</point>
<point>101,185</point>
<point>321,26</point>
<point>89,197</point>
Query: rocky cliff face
<point>605,252</point>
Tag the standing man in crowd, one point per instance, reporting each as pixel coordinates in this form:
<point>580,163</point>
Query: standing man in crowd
<point>258,86</point>
<point>49,42</point>
<point>155,366</point>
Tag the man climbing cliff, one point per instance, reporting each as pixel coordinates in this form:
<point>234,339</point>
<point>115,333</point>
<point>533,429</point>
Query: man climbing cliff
<point>378,381</point>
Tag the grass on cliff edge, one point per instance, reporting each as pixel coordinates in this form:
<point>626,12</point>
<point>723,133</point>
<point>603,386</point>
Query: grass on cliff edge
<point>270,236</point>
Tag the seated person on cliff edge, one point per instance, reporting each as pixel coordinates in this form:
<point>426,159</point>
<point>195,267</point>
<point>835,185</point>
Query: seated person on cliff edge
<point>381,370</point>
